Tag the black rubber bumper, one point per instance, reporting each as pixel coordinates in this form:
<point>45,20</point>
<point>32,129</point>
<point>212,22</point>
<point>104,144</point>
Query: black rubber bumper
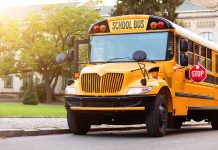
<point>118,101</point>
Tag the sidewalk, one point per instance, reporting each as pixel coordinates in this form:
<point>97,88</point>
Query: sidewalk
<point>11,127</point>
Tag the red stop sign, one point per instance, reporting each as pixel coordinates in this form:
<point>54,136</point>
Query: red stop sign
<point>197,73</point>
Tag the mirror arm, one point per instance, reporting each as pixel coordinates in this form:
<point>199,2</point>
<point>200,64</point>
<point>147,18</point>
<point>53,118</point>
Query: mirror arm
<point>145,71</point>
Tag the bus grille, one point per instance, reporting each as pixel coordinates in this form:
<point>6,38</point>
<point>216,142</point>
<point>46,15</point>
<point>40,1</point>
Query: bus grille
<point>108,83</point>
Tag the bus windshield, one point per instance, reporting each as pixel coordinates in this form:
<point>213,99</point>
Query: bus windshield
<point>119,48</point>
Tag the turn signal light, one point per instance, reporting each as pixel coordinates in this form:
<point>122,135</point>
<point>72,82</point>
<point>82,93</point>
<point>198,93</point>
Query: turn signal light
<point>76,75</point>
<point>154,74</point>
<point>96,29</point>
<point>153,25</point>
<point>160,25</point>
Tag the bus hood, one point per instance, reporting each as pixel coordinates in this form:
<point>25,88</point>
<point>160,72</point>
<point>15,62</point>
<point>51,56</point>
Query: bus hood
<point>101,69</point>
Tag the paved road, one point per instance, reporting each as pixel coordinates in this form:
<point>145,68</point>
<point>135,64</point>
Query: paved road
<point>188,138</point>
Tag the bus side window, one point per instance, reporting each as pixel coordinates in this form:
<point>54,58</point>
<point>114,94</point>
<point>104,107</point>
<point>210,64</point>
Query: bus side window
<point>181,51</point>
<point>197,54</point>
<point>209,59</point>
<point>203,56</point>
<point>216,63</point>
<point>190,53</point>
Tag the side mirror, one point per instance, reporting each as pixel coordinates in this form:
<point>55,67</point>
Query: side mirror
<point>61,57</point>
<point>70,40</point>
<point>183,45</point>
<point>183,60</point>
<point>139,56</point>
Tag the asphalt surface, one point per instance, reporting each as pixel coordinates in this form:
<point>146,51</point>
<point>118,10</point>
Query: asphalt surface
<point>14,127</point>
<point>187,138</point>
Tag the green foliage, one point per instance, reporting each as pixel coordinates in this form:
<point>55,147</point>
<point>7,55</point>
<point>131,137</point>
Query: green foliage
<point>30,96</point>
<point>40,89</point>
<point>148,7</point>
<point>10,41</point>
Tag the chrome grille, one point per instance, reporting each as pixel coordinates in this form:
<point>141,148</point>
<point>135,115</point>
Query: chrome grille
<point>108,83</point>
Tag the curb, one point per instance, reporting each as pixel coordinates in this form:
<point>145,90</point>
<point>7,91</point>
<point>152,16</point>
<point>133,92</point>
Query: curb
<point>31,132</point>
<point>4,133</point>
<point>49,131</point>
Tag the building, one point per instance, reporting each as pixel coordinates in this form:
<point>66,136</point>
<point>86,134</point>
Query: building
<point>212,4</point>
<point>201,19</point>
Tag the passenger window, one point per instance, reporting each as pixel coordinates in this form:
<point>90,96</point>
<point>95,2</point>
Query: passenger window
<point>209,59</point>
<point>216,63</point>
<point>190,53</point>
<point>197,54</point>
<point>203,56</point>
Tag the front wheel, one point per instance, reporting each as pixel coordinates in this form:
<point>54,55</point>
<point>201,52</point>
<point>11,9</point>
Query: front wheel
<point>157,117</point>
<point>78,123</point>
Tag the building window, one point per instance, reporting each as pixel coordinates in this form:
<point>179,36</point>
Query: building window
<point>8,82</point>
<point>207,35</point>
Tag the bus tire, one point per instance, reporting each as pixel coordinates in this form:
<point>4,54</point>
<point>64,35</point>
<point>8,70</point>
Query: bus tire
<point>214,125</point>
<point>157,117</point>
<point>78,123</point>
<point>214,121</point>
<point>174,122</point>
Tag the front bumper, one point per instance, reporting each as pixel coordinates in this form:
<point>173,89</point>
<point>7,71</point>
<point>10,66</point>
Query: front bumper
<point>108,103</point>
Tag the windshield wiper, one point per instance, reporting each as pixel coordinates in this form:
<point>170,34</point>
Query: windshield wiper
<point>129,58</point>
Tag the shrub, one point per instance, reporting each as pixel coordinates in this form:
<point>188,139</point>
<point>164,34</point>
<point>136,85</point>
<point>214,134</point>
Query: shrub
<point>30,96</point>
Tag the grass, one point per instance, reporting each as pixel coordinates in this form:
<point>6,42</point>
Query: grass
<point>40,110</point>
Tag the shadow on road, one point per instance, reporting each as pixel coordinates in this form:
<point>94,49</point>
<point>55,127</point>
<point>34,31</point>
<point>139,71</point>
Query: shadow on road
<point>138,133</point>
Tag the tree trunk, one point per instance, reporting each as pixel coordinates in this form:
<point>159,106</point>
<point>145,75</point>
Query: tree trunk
<point>49,93</point>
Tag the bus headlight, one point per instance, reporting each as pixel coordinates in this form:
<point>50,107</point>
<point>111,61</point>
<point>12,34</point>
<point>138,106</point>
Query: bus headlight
<point>138,90</point>
<point>70,90</point>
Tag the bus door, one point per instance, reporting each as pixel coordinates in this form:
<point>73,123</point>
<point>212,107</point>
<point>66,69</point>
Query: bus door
<point>181,66</point>
<point>80,55</point>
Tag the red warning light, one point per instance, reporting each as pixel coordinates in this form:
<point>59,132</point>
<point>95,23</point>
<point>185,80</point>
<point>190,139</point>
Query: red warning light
<point>160,25</point>
<point>96,29</point>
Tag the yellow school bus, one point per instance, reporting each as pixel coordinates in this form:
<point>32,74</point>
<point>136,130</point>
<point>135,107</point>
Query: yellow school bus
<point>138,74</point>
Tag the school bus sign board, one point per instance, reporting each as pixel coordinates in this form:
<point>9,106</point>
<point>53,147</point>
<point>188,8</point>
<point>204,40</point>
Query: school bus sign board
<point>128,25</point>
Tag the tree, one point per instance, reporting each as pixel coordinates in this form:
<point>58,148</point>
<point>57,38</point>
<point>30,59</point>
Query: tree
<point>148,7</point>
<point>9,43</point>
<point>45,36</point>
<point>170,7</point>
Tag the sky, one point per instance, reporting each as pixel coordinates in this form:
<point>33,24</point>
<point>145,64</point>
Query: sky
<point>10,3</point>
